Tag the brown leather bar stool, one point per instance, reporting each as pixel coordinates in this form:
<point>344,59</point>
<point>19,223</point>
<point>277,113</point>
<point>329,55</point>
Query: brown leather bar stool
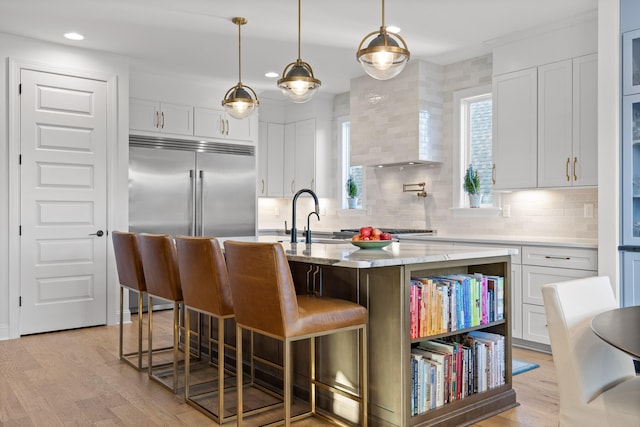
<point>265,302</point>
<point>160,265</point>
<point>131,276</point>
<point>206,290</point>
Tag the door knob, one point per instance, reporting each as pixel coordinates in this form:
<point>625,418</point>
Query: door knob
<point>99,233</point>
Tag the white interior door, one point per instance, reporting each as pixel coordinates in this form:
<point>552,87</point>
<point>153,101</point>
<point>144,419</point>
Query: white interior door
<point>63,210</point>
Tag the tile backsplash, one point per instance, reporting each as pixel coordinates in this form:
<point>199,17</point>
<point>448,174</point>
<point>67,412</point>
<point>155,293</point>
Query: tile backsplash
<point>553,213</point>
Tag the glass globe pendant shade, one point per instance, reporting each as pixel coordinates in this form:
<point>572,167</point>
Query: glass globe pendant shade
<point>298,83</point>
<point>239,102</point>
<point>383,58</point>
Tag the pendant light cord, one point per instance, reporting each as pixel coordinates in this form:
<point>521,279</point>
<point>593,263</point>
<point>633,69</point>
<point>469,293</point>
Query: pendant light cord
<point>239,54</point>
<point>299,31</point>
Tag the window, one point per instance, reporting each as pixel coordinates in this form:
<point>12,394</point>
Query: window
<point>356,172</point>
<point>473,118</point>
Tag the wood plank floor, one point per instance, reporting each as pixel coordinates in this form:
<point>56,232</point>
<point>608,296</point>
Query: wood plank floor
<point>74,378</point>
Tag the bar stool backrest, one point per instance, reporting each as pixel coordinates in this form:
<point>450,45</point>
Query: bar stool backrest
<point>128,262</point>
<point>203,275</point>
<point>160,265</point>
<point>264,296</point>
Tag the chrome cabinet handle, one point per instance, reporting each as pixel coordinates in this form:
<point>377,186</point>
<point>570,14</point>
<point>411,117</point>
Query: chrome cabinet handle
<point>227,131</point>
<point>292,190</point>
<point>201,222</point>
<point>156,121</point>
<point>493,174</point>
<point>566,169</point>
<point>575,175</point>
<point>262,188</point>
<point>163,120</point>
<point>192,208</point>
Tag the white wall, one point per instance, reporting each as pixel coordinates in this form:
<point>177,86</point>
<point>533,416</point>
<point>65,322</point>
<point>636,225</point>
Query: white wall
<point>79,60</point>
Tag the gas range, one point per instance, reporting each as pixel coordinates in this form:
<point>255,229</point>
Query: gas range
<point>347,233</point>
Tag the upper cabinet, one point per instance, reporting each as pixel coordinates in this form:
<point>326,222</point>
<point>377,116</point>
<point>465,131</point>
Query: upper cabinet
<point>155,116</point>
<point>515,130</point>
<point>397,121</point>
<point>216,123</point>
<point>545,119</point>
<point>567,123</point>
<point>545,106</point>
<point>631,62</point>
<point>186,120</point>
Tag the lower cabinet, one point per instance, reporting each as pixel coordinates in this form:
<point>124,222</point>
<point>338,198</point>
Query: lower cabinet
<point>542,265</point>
<point>630,278</point>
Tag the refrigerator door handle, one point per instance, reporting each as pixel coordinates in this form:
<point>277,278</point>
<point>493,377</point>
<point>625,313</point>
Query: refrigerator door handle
<point>201,198</point>
<point>192,224</point>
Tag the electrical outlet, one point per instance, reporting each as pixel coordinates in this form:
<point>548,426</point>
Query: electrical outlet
<point>588,210</point>
<point>506,211</point>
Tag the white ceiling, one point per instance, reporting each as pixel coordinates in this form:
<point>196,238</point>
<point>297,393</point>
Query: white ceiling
<point>197,37</point>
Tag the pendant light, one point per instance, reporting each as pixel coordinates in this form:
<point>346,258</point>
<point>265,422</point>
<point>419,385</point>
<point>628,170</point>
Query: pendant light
<point>240,101</point>
<point>383,58</point>
<point>297,82</point>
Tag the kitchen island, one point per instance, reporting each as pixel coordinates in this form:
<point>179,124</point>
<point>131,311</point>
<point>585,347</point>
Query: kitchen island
<point>379,279</point>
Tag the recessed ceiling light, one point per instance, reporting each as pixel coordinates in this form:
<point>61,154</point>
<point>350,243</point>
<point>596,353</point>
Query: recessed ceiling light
<point>393,29</point>
<point>74,36</point>
<point>271,74</point>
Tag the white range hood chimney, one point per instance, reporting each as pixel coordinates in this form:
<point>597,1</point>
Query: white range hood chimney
<point>397,121</point>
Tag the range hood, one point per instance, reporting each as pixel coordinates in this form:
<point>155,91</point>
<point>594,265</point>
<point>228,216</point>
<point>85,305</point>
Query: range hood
<point>397,121</point>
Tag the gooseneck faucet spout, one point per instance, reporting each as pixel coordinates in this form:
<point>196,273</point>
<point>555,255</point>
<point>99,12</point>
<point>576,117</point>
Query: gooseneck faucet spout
<point>294,231</point>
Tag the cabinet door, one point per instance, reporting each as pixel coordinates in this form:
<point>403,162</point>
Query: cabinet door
<point>631,170</point>
<point>516,300</point>
<point>534,277</point>
<point>144,115</point>
<point>515,130</point>
<point>239,129</point>
<point>175,118</point>
<point>555,114</point>
<point>631,62</point>
<point>585,121</point>
<point>534,324</point>
<point>275,160</point>
<point>630,279</point>
<point>305,155</point>
<point>208,123</point>
<point>263,153</point>
<point>289,166</point>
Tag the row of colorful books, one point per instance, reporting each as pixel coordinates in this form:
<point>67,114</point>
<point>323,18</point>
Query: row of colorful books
<point>445,371</point>
<point>442,304</point>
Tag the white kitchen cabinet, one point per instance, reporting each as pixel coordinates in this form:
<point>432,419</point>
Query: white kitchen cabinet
<point>307,157</point>
<point>216,123</point>
<point>545,120</point>
<point>516,299</point>
<point>567,123</point>
<point>515,130</point>
<point>631,278</point>
<point>155,116</point>
<point>270,161</point>
<point>542,265</point>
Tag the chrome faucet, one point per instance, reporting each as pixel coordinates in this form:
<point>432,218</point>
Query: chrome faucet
<point>294,231</point>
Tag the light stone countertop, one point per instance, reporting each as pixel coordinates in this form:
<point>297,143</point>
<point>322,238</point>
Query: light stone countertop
<point>507,240</point>
<point>344,254</point>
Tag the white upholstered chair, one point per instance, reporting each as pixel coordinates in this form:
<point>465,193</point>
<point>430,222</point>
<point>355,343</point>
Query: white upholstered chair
<point>597,382</point>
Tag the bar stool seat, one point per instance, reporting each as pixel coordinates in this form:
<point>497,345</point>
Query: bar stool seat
<point>205,289</point>
<point>160,265</point>
<point>265,302</point>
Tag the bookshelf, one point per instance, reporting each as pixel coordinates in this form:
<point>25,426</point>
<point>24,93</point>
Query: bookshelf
<point>391,345</point>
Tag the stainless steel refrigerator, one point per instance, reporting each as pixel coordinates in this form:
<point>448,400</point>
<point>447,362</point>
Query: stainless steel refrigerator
<point>180,187</point>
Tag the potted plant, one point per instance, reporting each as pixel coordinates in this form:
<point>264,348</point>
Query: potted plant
<point>472,187</point>
<point>352,193</point>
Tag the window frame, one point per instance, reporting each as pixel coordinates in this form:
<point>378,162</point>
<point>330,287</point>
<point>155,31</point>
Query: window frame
<point>344,166</point>
<point>461,150</point>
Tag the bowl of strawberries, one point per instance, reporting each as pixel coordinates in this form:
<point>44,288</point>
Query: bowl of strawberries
<point>371,238</point>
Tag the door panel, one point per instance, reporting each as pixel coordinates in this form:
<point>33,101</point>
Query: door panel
<point>161,191</point>
<point>227,186</point>
<point>63,202</point>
